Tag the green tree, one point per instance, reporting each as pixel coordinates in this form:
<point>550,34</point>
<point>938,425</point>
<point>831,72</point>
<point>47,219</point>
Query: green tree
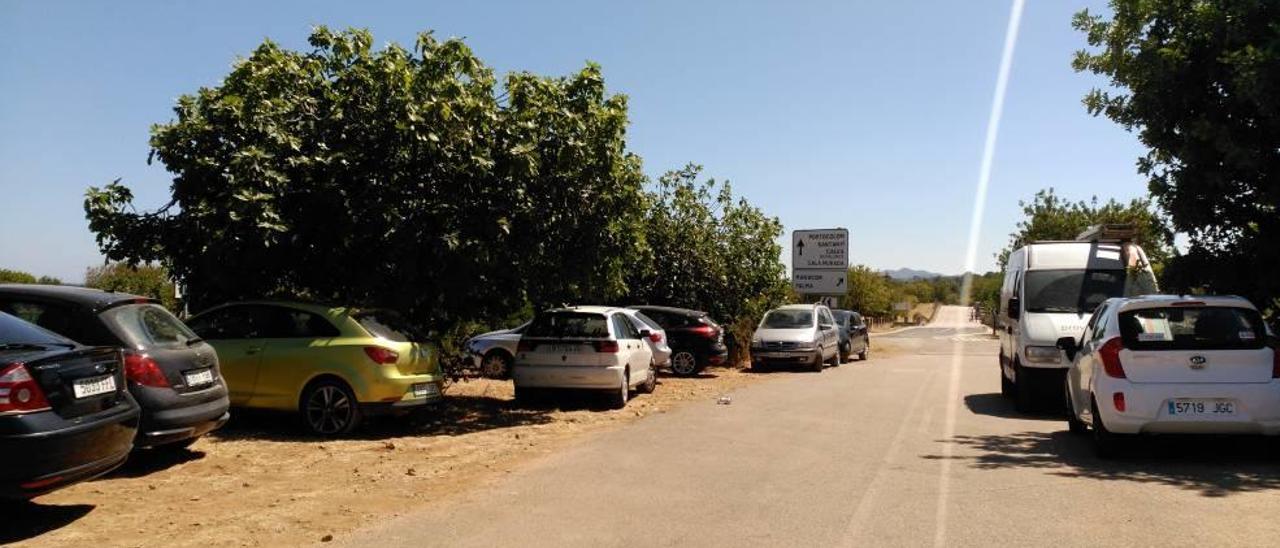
<point>1198,81</point>
<point>19,277</point>
<point>1051,217</point>
<point>146,280</point>
<point>391,178</point>
<point>870,292</point>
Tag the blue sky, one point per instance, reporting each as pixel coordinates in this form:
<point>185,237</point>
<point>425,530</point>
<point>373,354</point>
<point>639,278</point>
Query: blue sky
<point>866,115</point>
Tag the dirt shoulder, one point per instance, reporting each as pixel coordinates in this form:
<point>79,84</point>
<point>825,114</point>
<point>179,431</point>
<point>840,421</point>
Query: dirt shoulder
<point>259,482</point>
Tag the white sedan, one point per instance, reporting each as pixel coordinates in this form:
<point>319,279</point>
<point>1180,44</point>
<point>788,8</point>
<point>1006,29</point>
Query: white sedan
<point>1172,365</point>
<point>585,347</point>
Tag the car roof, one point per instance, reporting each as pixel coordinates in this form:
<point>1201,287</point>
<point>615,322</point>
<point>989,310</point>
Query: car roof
<point>669,309</point>
<point>590,309</point>
<point>798,307</point>
<point>1162,301</point>
<point>317,308</point>
<point>81,296</point>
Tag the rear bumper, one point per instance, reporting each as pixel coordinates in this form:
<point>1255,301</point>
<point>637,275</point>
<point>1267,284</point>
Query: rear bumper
<point>44,452</point>
<point>181,416</point>
<point>1257,408</point>
<point>568,376</point>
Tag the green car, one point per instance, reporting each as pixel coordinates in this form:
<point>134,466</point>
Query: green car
<point>332,365</point>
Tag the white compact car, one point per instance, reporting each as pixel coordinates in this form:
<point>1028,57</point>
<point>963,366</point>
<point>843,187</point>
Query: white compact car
<point>1172,365</point>
<point>494,352</point>
<point>585,347</point>
<point>657,339</point>
<point>796,334</point>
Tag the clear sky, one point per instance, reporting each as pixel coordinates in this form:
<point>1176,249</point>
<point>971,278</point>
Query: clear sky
<point>864,114</point>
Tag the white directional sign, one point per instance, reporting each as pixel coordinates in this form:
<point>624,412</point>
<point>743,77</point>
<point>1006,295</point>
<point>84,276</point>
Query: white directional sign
<point>826,249</point>
<point>819,282</point>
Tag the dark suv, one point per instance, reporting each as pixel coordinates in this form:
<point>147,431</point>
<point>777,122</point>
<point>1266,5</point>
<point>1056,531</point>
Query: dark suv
<point>172,373</point>
<point>696,340</point>
<point>65,415</point>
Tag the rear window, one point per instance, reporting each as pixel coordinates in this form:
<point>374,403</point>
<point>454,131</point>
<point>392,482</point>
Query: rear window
<point>648,322</point>
<point>569,324</point>
<point>144,325</point>
<point>377,326</point>
<point>1192,328</point>
<point>16,331</point>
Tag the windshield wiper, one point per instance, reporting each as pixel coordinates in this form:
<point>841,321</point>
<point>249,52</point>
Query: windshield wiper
<point>32,346</point>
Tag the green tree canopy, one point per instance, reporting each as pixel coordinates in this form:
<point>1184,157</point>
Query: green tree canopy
<point>146,280</point>
<point>1051,217</point>
<point>1198,80</point>
<point>395,178</point>
<point>19,277</point>
<point>869,292</point>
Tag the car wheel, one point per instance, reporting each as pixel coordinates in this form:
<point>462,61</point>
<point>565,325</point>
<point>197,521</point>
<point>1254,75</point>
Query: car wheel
<point>1006,385</point>
<point>846,351</point>
<point>618,398</point>
<point>835,358</point>
<point>650,383</point>
<point>496,365</point>
<point>684,363</point>
<point>1074,424</point>
<point>866,350</point>
<point>818,363</point>
<point>1023,388</point>
<point>329,408</point>
<point>1105,443</point>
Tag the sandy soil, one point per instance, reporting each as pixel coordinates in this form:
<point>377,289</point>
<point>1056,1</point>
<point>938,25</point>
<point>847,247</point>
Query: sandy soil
<point>260,482</point>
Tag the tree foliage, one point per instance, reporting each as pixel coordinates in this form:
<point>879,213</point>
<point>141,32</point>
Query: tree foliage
<point>1198,80</point>
<point>1051,217</point>
<point>146,280</point>
<point>389,178</point>
<point>19,277</point>
<point>869,292</point>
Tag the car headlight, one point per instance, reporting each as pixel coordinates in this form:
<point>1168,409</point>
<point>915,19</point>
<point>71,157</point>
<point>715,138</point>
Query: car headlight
<point>1042,354</point>
<point>809,345</point>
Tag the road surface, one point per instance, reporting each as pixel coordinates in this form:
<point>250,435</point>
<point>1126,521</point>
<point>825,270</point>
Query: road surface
<point>912,448</point>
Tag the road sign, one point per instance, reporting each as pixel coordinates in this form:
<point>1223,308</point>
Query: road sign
<point>825,249</point>
<point>829,301</point>
<point>820,282</point>
<point>902,306</point>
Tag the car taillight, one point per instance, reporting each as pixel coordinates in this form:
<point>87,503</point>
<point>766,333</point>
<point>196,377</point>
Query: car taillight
<point>706,331</point>
<point>141,369</point>
<point>608,347</point>
<point>655,337</point>
<point>19,393</point>
<point>526,346</point>
<point>381,355</point>
<point>1110,354</point>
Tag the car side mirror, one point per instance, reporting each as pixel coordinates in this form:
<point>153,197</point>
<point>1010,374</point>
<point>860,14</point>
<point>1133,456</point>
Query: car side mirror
<point>1015,306</point>
<point>1070,346</point>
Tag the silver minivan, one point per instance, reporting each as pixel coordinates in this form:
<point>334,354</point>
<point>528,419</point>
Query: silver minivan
<point>804,334</point>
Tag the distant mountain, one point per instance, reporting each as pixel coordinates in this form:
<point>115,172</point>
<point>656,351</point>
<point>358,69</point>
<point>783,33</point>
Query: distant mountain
<point>910,274</point>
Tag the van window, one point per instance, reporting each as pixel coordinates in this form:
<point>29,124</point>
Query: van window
<point>788,319</point>
<point>1194,328</point>
<point>1071,291</point>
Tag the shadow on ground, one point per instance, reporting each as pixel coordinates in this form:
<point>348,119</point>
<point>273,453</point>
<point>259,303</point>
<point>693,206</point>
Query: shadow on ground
<point>25,520</point>
<point>995,405</point>
<point>1213,466</point>
<point>148,461</point>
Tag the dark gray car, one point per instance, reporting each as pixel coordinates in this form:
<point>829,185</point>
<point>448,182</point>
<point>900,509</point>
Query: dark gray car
<point>171,372</point>
<point>854,338</point>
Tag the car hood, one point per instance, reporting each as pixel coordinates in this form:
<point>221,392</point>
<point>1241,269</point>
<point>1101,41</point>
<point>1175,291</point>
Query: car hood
<point>1045,328</point>
<point>785,335</point>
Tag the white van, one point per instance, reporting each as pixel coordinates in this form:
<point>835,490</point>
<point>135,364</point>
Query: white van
<point>1050,290</point>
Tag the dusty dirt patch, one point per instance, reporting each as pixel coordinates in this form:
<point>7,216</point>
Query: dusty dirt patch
<point>259,482</point>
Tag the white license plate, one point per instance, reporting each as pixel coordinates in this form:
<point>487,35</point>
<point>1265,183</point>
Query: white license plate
<point>566,348</point>
<point>84,388</point>
<point>1201,407</point>
<point>199,377</point>
<point>425,389</point>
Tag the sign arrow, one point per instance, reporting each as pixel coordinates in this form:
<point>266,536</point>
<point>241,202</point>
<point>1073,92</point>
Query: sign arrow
<point>800,246</point>
<point>839,281</point>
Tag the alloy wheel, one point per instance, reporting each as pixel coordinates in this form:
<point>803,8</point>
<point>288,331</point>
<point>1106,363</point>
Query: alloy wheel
<point>684,363</point>
<point>329,410</point>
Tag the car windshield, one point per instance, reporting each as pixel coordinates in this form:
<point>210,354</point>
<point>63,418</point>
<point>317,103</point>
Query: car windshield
<point>788,319</point>
<point>16,334</point>
<point>1192,328</point>
<point>146,325</point>
<point>1080,291</point>
<point>581,325</point>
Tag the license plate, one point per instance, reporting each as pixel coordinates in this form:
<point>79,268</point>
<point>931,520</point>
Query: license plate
<point>1191,407</point>
<point>566,348</point>
<point>84,388</point>
<point>425,389</point>
<point>199,377</point>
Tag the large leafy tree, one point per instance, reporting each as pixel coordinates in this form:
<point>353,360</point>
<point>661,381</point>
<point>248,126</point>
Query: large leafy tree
<point>869,292</point>
<point>1048,216</point>
<point>1198,80</point>
<point>393,178</point>
<point>143,279</point>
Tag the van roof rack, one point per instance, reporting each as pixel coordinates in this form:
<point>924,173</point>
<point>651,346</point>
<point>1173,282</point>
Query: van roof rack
<point>1109,232</point>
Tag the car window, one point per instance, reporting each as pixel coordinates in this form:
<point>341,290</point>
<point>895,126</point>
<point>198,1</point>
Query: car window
<point>145,325</point>
<point>16,330</point>
<point>1100,327</point>
<point>291,323</point>
<point>1192,328</point>
<point>60,319</point>
<point>569,324</point>
<point>373,322</point>
<point>824,317</point>
<point>646,322</point>
<point>232,322</point>
<point>788,319</point>
<point>623,327</point>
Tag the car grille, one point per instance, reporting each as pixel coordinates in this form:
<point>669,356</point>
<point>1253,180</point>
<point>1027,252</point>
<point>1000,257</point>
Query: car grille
<point>783,345</point>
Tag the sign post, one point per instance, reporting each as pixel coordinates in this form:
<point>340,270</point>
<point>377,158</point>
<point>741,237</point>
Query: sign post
<point>820,262</point>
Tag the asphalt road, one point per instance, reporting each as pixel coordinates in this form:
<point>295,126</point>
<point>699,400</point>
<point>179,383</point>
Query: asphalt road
<point>911,448</point>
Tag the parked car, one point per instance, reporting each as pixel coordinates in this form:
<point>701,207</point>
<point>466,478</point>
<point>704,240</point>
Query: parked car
<point>494,352</point>
<point>1172,365</point>
<point>1049,289</point>
<point>65,415</point>
<point>657,338</point>
<point>171,373</point>
<point>584,347</point>
<point>854,338</point>
<point>803,334</point>
<point>695,339</point>
<point>333,365</point>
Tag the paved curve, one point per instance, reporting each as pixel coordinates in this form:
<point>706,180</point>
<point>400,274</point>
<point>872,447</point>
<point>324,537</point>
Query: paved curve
<point>912,449</point>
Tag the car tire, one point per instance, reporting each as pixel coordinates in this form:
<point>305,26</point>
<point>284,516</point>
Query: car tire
<point>1074,424</point>
<point>1106,444</point>
<point>866,350</point>
<point>618,397</point>
<point>846,351</point>
<point>651,383</point>
<point>835,359</point>
<point>329,408</point>
<point>684,364</point>
<point>496,365</point>
<point>1023,389</point>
